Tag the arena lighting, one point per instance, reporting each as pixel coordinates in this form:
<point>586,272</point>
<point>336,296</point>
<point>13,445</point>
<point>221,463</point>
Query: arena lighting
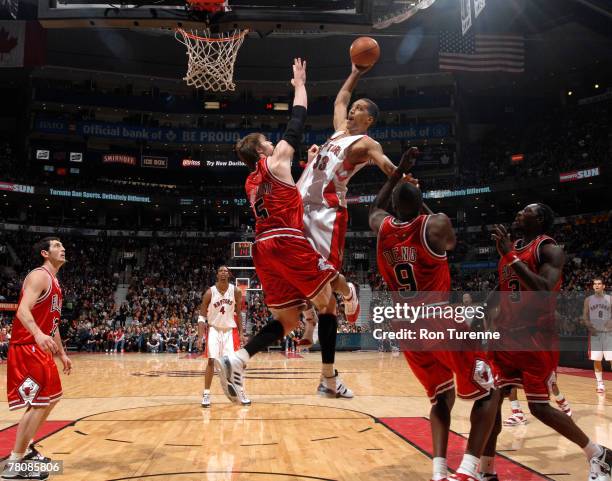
<point>212,105</point>
<point>281,106</point>
<point>596,86</point>
<point>570,93</point>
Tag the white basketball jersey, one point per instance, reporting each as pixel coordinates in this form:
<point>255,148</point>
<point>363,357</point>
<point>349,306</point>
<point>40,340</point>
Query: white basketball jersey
<point>221,308</point>
<point>325,179</point>
<point>600,312</point>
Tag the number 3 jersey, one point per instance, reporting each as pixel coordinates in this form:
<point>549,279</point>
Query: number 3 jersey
<point>276,204</point>
<point>520,307</point>
<point>47,311</point>
<point>406,261</point>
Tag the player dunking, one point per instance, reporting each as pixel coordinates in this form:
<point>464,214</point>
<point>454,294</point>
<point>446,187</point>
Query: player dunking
<point>33,381</point>
<point>530,273</point>
<point>411,255</point>
<point>323,186</point>
<point>290,270</point>
<point>597,316</point>
<point>219,305</point>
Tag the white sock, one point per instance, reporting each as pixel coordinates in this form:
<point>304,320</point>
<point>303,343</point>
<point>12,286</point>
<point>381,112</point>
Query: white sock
<point>469,465</point>
<point>16,456</point>
<point>599,376</point>
<point>243,355</point>
<point>516,405</point>
<point>592,450</point>
<point>487,464</point>
<point>206,391</point>
<point>440,470</point>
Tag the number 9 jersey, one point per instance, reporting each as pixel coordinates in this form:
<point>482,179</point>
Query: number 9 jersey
<point>406,261</point>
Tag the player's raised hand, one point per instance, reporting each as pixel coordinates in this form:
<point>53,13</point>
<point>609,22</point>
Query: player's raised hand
<point>408,160</point>
<point>312,152</point>
<point>67,364</point>
<point>502,239</point>
<point>361,69</point>
<point>46,343</point>
<point>299,72</point>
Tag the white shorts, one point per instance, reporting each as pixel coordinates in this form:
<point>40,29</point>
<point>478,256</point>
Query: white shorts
<point>600,346</point>
<point>219,342</point>
<point>325,228</point>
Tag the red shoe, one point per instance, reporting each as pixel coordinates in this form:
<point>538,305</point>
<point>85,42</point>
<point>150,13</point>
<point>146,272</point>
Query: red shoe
<point>462,477</point>
<point>304,344</point>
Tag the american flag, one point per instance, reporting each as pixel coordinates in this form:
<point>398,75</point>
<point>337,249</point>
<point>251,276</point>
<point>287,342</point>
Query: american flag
<point>481,53</point>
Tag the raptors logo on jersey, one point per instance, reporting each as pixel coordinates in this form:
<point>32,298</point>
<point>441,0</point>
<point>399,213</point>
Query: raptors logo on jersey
<point>221,308</point>
<point>46,311</point>
<point>325,179</point>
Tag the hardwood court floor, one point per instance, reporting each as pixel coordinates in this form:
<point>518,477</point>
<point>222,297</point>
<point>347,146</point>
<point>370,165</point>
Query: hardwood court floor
<point>138,416</point>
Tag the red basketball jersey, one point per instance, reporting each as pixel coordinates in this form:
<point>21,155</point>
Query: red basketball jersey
<point>406,261</point>
<point>520,309</point>
<point>46,311</point>
<point>276,204</point>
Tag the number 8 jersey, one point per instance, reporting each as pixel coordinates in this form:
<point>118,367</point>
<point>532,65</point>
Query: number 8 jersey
<point>406,261</point>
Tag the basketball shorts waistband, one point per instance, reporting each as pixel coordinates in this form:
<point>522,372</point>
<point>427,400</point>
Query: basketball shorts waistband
<point>280,232</point>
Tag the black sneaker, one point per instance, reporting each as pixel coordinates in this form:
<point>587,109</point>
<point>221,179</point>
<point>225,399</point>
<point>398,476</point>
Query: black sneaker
<point>36,455</point>
<point>600,466</point>
<point>23,473</point>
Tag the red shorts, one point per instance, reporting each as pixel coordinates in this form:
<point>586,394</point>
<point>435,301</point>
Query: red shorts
<point>290,270</point>
<point>534,371</point>
<point>435,369</point>
<point>31,377</point>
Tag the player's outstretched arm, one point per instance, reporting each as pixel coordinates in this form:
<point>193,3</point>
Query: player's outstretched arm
<point>344,96</point>
<point>280,161</point>
<point>378,209</point>
<point>375,153</point>
<point>35,284</point>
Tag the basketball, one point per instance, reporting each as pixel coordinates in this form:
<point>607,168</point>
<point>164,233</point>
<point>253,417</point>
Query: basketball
<point>364,51</point>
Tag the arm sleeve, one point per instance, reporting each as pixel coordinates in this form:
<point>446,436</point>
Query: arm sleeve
<point>295,127</point>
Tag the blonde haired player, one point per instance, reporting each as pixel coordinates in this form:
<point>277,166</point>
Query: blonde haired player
<point>597,316</point>
<point>219,309</point>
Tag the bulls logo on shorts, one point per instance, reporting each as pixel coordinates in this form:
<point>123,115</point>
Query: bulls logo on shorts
<point>323,265</point>
<point>482,375</point>
<point>28,390</point>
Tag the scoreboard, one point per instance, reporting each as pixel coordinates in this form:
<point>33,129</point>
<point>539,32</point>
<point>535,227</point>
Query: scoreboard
<point>242,249</point>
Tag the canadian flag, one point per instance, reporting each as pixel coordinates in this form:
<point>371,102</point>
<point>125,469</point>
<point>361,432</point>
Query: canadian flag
<point>12,40</point>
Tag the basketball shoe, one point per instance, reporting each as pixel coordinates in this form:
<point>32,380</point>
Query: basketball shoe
<point>231,375</point>
<point>462,477</point>
<point>309,326</point>
<point>517,418</point>
<point>601,388</point>
<point>488,477</point>
<point>351,304</point>
<point>565,407</point>
<point>26,471</point>
<point>600,466</point>
<point>206,400</point>
<point>334,387</point>
<point>244,400</point>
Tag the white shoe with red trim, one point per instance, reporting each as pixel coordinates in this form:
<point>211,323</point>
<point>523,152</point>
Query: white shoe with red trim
<point>351,305</point>
<point>517,418</point>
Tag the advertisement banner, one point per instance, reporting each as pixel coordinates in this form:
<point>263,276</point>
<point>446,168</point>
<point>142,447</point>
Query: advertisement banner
<point>154,162</point>
<point>23,189</point>
<point>578,174</point>
<point>119,159</point>
<point>190,163</point>
<point>412,131</point>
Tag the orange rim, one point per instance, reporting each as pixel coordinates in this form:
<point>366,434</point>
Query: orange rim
<point>212,39</point>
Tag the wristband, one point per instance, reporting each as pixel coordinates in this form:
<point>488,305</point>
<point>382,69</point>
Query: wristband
<point>201,319</point>
<point>510,258</point>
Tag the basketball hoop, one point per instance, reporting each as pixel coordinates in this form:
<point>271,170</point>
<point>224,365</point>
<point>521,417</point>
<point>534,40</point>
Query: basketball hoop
<point>211,58</point>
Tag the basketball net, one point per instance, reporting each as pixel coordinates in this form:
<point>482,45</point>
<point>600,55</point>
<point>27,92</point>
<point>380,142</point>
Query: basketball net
<point>211,58</point>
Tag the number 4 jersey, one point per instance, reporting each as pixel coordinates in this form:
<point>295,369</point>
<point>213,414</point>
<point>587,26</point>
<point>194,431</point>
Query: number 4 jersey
<point>406,261</point>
